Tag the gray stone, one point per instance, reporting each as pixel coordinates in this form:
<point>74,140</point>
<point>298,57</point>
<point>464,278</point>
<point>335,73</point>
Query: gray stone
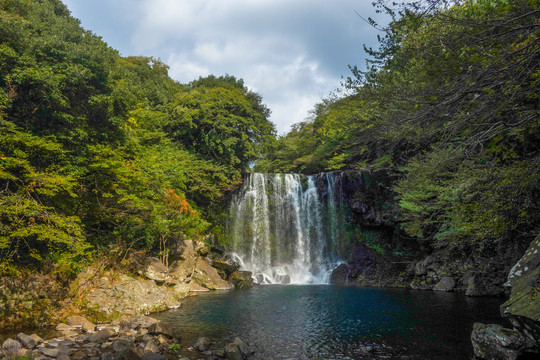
<point>244,280</point>
<point>523,306</point>
<point>135,322</point>
<point>494,342</point>
<point>154,356</point>
<point>151,346</point>
<point>101,336</point>
<point>82,322</point>
<point>129,354</point>
<point>232,352</point>
<point>154,269</point>
<point>66,327</point>
<point>202,344</point>
<point>228,266</point>
<point>37,338</point>
<point>244,348</point>
<point>81,338</point>
<point>164,329</point>
<point>63,357</point>
<point>11,346</point>
<point>162,339</point>
<point>447,283</point>
<point>50,352</point>
<point>79,355</point>
<point>121,345</point>
<point>108,356</point>
<point>422,267</point>
<point>27,341</point>
<point>219,353</point>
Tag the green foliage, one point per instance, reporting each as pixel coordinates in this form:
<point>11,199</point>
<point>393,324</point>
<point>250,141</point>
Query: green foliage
<point>225,122</point>
<point>34,179</point>
<point>448,103</point>
<point>97,150</point>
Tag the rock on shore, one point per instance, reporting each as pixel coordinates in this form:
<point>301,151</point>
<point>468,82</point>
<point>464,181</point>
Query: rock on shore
<point>126,338</point>
<point>156,286</point>
<point>522,309</point>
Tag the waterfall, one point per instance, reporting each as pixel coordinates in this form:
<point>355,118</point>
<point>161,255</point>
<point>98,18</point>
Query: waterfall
<point>285,227</point>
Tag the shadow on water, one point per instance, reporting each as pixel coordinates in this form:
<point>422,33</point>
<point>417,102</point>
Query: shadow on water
<point>327,322</point>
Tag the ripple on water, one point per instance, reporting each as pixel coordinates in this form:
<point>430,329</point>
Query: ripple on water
<point>306,322</point>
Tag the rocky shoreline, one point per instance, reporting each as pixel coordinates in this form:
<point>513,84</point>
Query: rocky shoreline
<point>119,301</point>
<point>126,338</point>
<point>103,293</point>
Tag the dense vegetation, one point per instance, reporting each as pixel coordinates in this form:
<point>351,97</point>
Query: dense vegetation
<point>99,151</point>
<point>450,107</point>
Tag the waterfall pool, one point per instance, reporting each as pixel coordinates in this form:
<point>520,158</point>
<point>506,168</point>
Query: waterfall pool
<point>329,322</point>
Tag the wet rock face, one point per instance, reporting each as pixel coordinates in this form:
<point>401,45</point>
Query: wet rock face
<point>523,306</point>
<point>368,268</point>
<point>522,309</point>
<point>158,288</point>
<point>495,342</point>
<point>242,279</point>
<point>228,266</point>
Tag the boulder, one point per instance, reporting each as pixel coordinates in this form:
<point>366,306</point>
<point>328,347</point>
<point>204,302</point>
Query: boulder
<point>129,354</point>
<point>184,288</point>
<point>152,268</point>
<point>82,322</point>
<point>494,342</point>
<point>242,279</point>
<point>37,338</point>
<point>201,249</point>
<point>202,344</point>
<point>244,348</point>
<point>232,352</point>
<point>339,275</point>
<point>207,276</point>
<point>154,356</point>
<point>228,266</point>
<point>479,286</point>
<point>122,345</point>
<point>160,328</point>
<point>123,294</point>
<point>447,283</point>
<point>428,263</point>
<point>101,336</point>
<point>286,279</point>
<point>523,306</point>
<point>11,346</point>
<point>27,341</point>
<point>65,327</point>
<point>50,352</point>
<point>238,350</point>
<point>134,322</point>
<point>151,346</point>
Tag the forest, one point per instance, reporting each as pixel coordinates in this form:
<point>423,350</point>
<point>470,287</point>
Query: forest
<point>449,108</point>
<point>100,152</point>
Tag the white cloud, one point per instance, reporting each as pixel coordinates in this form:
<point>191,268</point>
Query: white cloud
<point>185,70</point>
<point>291,52</point>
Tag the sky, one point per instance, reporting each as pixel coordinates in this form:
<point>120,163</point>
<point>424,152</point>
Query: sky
<point>292,52</point>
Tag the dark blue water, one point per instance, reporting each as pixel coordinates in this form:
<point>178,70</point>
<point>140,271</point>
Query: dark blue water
<point>327,322</point>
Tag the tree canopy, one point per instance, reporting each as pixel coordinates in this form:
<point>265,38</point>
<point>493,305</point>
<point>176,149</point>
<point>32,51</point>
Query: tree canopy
<point>99,150</point>
<point>449,105</point>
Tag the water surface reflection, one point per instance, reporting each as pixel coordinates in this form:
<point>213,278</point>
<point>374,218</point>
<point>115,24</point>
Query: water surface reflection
<point>306,322</point>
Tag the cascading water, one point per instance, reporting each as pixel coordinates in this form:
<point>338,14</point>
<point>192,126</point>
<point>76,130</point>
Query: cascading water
<point>285,227</point>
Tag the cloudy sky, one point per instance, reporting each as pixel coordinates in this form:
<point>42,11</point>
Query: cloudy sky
<point>292,52</point>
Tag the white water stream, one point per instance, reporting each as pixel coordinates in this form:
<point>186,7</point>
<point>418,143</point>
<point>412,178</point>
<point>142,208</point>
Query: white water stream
<point>285,226</point>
